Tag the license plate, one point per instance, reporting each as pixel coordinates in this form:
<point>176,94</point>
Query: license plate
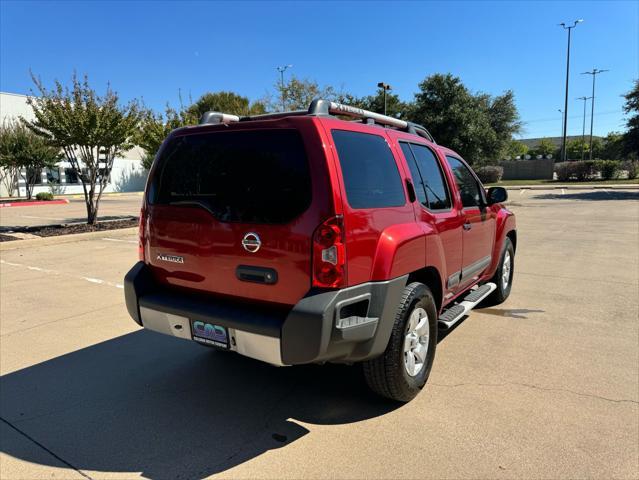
<point>209,333</point>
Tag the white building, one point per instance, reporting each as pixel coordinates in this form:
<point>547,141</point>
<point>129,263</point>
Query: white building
<point>127,174</point>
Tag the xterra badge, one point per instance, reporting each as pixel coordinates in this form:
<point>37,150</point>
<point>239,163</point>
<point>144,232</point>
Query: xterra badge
<point>170,258</point>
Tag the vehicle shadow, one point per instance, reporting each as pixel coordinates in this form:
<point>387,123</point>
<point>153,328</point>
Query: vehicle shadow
<point>148,403</point>
<point>593,195</point>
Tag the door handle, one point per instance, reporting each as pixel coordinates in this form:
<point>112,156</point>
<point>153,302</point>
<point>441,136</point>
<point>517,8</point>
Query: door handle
<point>468,226</point>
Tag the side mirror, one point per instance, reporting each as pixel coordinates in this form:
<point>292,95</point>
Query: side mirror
<point>496,195</point>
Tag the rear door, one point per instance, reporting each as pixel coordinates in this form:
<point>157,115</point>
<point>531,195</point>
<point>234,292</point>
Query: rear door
<point>230,211</point>
<point>436,206</point>
<point>479,222</point>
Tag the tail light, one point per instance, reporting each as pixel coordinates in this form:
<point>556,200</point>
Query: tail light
<point>329,254</point>
<point>141,234</point>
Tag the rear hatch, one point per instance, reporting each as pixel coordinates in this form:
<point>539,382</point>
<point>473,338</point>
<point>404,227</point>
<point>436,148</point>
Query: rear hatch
<point>232,209</point>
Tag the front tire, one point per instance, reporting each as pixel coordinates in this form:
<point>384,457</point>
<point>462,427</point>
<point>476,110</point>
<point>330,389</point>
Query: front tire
<point>503,277</point>
<point>402,370</point>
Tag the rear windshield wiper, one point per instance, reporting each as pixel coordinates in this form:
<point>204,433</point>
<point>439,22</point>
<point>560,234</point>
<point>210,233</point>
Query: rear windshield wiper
<point>192,203</point>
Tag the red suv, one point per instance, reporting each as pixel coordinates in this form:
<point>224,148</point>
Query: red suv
<point>300,237</point>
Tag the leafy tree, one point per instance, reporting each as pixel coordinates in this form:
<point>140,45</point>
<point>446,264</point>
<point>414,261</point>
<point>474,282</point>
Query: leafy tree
<point>298,94</point>
<point>574,148</point>
<point>516,149</point>
<point>90,129</point>
<point>545,147</point>
<point>613,146</point>
<point>631,107</point>
<point>226,102</point>
<point>22,153</point>
<point>375,103</point>
<point>480,127</point>
<point>154,128</point>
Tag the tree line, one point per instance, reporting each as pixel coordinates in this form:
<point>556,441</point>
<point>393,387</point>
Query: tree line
<point>88,130</point>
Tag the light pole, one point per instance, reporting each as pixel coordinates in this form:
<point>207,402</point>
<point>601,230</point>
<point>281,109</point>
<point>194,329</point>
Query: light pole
<point>385,87</point>
<point>565,127</point>
<point>583,127</point>
<point>594,73</point>
<point>562,119</point>
<point>282,69</point>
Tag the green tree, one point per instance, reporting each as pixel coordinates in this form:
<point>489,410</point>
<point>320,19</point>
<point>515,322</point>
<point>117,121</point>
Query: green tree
<point>298,94</point>
<point>90,129</point>
<point>22,153</point>
<point>613,146</point>
<point>225,102</point>
<point>574,148</point>
<point>516,149</point>
<point>545,147</point>
<point>631,136</point>
<point>479,127</point>
<point>375,103</point>
<point>154,128</point>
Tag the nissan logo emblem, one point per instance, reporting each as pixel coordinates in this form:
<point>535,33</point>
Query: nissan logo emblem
<point>251,242</point>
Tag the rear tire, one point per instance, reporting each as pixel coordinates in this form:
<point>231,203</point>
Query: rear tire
<point>503,277</point>
<point>402,370</point>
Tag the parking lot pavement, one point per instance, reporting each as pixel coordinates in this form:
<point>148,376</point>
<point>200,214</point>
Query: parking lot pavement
<point>544,386</point>
<point>111,206</point>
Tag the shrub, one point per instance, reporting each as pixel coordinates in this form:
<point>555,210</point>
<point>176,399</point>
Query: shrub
<point>490,173</point>
<point>562,169</point>
<point>608,168</point>
<point>44,196</point>
<point>578,171</point>
<point>632,167</point>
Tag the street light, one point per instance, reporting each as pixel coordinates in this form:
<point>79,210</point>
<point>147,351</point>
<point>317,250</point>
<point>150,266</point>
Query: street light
<point>385,87</point>
<point>594,73</point>
<point>562,118</point>
<point>565,127</point>
<point>583,126</point>
<point>282,69</point>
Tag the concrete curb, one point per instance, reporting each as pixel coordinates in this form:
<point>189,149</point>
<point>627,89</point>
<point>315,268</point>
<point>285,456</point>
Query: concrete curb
<point>571,187</point>
<point>106,194</point>
<point>70,238</point>
<point>59,201</point>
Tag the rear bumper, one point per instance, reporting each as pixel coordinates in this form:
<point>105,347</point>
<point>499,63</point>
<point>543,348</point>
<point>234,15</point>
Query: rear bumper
<point>347,325</point>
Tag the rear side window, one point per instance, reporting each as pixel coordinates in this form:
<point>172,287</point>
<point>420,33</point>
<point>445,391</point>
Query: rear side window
<point>432,177</point>
<point>250,176</point>
<point>370,173</point>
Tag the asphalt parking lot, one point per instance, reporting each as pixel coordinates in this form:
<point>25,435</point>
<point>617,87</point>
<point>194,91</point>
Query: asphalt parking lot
<point>543,386</point>
<point>111,206</point>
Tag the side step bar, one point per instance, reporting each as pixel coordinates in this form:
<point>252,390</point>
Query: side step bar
<point>455,313</point>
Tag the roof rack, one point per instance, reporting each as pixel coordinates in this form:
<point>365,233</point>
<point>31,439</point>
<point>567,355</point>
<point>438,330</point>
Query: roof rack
<point>326,107</point>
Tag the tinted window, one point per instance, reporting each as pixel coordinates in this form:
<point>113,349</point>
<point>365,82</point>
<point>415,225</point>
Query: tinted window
<point>432,177</point>
<point>420,191</point>
<point>370,174</point>
<point>71,175</point>
<point>466,182</point>
<point>253,176</point>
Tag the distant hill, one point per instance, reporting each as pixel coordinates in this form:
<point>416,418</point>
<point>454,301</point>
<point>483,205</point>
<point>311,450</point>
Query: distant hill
<point>533,142</point>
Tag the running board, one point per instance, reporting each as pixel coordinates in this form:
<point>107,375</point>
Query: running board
<point>455,313</point>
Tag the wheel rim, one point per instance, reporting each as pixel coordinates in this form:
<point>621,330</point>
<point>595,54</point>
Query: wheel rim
<point>416,342</point>
<point>505,271</point>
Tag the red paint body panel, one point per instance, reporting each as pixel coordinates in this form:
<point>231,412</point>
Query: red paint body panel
<point>380,243</point>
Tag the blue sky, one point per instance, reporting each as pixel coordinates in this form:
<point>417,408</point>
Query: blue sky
<point>154,49</point>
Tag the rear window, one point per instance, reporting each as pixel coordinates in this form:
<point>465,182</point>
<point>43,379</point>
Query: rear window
<point>370,173</point>
<point>250,176</point>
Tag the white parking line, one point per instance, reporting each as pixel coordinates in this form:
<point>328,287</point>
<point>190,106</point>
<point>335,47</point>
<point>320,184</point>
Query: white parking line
<point>119,240</point>
<point>56,272</point>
